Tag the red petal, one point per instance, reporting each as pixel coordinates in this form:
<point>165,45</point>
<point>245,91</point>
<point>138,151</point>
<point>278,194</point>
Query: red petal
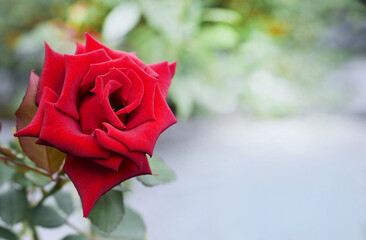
<point>113,162</point>
<point>92,45</point>
<point>143,137</point>
<point>103,68</point>
<point>163,69</point>
<point>96,70</point>
<point>90,77</point>
<point>116,75</point>
<point>76,67</point>
<point>135,95</point>
<point>103,96</point>
<point>63,132</point>
<point>144,66</point>
<point>114,145</point>
<point>145,110</point>
<point>91,114</point>
<point>80,48</point>
<point>172,69</point>
<point>92,180</point>
<point>34,127</point>
<point>46,158</point>
<point>53,72</point>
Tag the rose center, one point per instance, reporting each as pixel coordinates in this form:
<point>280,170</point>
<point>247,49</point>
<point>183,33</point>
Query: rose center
<point>116,101</point>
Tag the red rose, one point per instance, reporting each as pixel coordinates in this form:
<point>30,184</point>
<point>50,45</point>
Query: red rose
<point>105,109</point>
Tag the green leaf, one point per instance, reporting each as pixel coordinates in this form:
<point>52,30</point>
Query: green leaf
<point>37,179</point>
<point>7,234</point>
<point>47,158</point>
<point>46,216</point>
<point>219,36</point>
<point>6,173</point>
<point>132,227</point>
<point>108,211</point>
<point>64,201</point>
<point>13,206</point>
<point>75,237</point>
<point>176,19</point>
<point>15,146</point>
<point>161,173</point>
<point>20,179</point>
<point>127,15</point>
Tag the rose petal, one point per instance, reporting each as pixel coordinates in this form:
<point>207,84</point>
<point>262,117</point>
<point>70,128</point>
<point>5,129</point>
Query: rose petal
<point>80,48</point>
<point>63,132</point>
<point>92,45</point>
<point>91,114</point>
<point>145,110</point>
<point>34,127</point>
<point>172,68</point>
<point>76,67</point>
<point>53,72</point>
<point>144,67</point>
<point>113,162</point>
<point>47,158</point>
<point>143,137</point>
<point>116,75</point>
<point>165,78</point>
<point>114,145</point>
<point>135,95</point>
<point>103,96</point>
<point>92,180</point>
<point>102,68</point>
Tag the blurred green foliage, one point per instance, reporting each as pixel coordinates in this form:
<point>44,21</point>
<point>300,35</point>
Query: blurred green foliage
<point>264,57</point>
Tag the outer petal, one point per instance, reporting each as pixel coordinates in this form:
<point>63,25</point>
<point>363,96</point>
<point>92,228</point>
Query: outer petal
<point>76,67</point>
<point>165,75</point>
<point>172,68</point>
<point>63,132</point>
<point>92,180</point>
<point>53,72</point>
<point>34,127</point>
<point>47,158</point>
<point>92,45</point>
<point>80,48</point>
<point>143,137</point>
<point>28,108</point>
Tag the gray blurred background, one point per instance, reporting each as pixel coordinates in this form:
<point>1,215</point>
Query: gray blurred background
<point>270,98</point>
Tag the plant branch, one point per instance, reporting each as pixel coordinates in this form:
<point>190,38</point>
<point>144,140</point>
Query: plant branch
<point>34,231</point>
<point>55,188</point>
<point>78,230</point>
<point>6,160</point>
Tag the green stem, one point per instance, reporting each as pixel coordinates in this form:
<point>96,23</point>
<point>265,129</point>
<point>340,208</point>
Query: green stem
<point>78,230</point>
<point>55,188</point>
<point>7,160</point>
<point>34,231</point>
